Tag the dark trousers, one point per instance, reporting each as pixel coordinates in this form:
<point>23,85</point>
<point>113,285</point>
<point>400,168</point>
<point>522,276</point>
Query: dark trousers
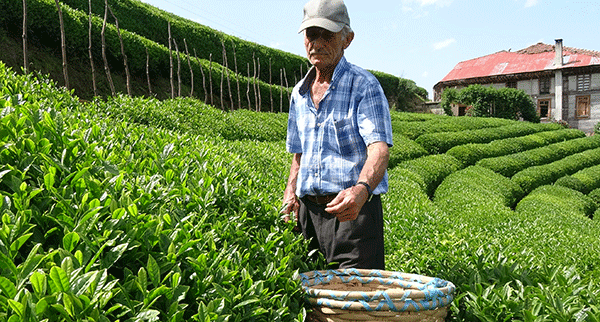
<point>351,244</point>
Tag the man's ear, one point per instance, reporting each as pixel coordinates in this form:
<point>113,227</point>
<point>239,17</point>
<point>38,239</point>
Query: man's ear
<point>349,39</point>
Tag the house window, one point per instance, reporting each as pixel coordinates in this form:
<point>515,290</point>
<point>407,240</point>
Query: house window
<point>583,106</point>
<point>545,85</point>
<point>511,84</point>
<point>584,82</point>
<point>544,108</point>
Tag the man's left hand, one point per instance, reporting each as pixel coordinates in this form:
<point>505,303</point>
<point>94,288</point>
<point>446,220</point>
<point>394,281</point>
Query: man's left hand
<point>348,203</point>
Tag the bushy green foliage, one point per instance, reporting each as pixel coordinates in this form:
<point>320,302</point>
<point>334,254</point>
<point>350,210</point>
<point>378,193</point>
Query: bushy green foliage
<point>484,101</point>
<point>108,217</point>
<point>444,141</point>
<point>540,175</point>
<point>556,199</point>
<point>432,169</point>
<point>408,127</point>
<point>597,128</point>
<point>510,164</point>
<point>595,196</point>
<point>589,178</point>
<point>404,149</point>
<point>572,183</point>
<point>479,181</point>
<point>470,153</point>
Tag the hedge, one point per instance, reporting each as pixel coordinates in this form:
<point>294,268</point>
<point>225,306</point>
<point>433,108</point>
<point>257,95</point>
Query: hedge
<point>413,130</point>
<point>536,176</point>
<point>442,142</point>
<point>510,164</point>
<point>470,153</point>
<point>404,149</point>
<point>558,200</point>
<point>583,181</point>
<point>432,169</point>
<point>477,184</point>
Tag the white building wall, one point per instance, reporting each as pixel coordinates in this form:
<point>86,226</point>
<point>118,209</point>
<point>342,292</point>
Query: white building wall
<point>595,81</point>
<point>525,85</point>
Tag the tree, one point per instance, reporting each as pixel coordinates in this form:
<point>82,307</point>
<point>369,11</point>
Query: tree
<point>483,101</point>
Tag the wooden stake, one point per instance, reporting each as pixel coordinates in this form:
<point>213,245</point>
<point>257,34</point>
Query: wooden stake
<point>171,63</point>
<point>178,69</point>
<point>187,54</point>
<point>248,90</point>
<point>25,63</point>
<point>258,86</point>
<point>63,44</point>
<point>227,70</point>
<point>106,68</point>
<point>148,71</point>
<point>90,47</point>
<point>270,81</point>
<point>203,78</point>
<point>122,50</point>
<point>210,78</point>
<point>281,91</point>
<point>237,76</point>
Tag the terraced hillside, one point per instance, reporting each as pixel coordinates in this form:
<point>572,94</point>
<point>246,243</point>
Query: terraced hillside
<point>135,209</point>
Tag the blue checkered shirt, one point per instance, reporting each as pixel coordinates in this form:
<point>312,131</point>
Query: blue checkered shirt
<point>333,140</point>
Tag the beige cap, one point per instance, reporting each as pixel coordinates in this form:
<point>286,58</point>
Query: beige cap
<point>328,14</point>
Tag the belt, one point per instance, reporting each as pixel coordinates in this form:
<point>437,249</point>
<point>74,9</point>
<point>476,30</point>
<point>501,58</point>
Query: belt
<point>321,200</point>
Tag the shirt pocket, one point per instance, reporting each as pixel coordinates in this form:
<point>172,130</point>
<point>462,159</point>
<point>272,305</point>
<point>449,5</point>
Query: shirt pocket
<point>347,136</point>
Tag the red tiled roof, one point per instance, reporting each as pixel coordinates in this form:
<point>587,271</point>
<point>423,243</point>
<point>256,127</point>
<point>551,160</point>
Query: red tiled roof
<point>538,57</point>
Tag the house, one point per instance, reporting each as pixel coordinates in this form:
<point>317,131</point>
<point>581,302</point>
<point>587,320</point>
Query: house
<point>564,82</point>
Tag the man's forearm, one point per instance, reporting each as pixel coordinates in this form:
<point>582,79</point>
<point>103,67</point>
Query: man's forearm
<point>373,171</point>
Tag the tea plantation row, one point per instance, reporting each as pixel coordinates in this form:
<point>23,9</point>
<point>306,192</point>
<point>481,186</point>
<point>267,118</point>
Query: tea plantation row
<point>140,210</point>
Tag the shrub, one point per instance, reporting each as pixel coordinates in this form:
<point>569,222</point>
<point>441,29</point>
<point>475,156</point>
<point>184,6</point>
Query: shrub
<point>597,128</point>
<point>595,196</point>
<point>470,153</point>
<point>442,142</point>
<point>432,169</point>
<point>404,149</point>
<point>508,165</point>
<point>536,176</point>
<point>508,103</point>
<point>572,183</point>
<point>555,199</point>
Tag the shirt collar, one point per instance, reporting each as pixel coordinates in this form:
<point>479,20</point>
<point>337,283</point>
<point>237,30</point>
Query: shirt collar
<point>341,67</point>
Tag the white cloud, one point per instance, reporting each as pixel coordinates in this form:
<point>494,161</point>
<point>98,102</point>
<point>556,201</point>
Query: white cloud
<point>531,3</point>
<point>425,74</point>
<point>275,45</point>
<point>444,43</point>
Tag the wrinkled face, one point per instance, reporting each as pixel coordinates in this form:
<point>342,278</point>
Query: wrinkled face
<point>324,48</point>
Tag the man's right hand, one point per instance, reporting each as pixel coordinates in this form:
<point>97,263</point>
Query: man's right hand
<point>290,206</point>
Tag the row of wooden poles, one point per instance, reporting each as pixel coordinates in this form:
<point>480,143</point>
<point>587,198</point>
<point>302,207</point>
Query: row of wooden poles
<point>208,95</point>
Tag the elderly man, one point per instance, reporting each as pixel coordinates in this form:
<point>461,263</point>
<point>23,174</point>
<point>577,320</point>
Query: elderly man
<point>339,131</point>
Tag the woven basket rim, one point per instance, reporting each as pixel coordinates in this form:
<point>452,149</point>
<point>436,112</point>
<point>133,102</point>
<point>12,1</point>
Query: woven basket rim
<point>395,291</point>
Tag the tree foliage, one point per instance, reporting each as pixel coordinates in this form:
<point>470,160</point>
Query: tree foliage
<point>508,103</point>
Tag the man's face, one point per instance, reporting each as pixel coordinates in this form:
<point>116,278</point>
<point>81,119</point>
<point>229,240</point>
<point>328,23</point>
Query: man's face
<point>324,48</point>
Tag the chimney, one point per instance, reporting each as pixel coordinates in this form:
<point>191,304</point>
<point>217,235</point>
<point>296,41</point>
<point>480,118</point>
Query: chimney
<point>558,49</point>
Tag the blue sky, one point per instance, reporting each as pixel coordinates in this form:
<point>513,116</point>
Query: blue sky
<point>420,40</point>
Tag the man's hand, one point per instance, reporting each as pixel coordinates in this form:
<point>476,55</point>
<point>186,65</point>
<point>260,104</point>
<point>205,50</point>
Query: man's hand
<point>348,203</point>
<point>290,206</point>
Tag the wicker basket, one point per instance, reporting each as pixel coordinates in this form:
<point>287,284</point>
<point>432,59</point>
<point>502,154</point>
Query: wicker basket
<point>376,295</point>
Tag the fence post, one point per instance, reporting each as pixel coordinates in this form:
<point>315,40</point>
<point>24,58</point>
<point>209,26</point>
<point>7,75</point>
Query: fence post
<point>237,76</point>
<point>171,63</point>
<point>187,53</point>
<point>148,71</point>
<point>203,78</point>
<point>122,51</point>
<point>178,69</point>
<point>63,44</point>
<point>90,47</point>
<point>270,82</point>
<point>25,63</point>
<point>248,90</point>
<point>106,68</point>
<point>210,78</point>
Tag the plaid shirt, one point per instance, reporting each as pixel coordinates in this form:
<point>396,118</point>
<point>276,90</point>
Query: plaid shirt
<point>333,140</point>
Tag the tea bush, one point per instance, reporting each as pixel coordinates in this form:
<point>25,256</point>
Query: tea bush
<point>432,169</point>
<point>444,141</point>
<point>540,175</point>
<point>510,164</point>
<point>555,199</point>
<point>470,153</point>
